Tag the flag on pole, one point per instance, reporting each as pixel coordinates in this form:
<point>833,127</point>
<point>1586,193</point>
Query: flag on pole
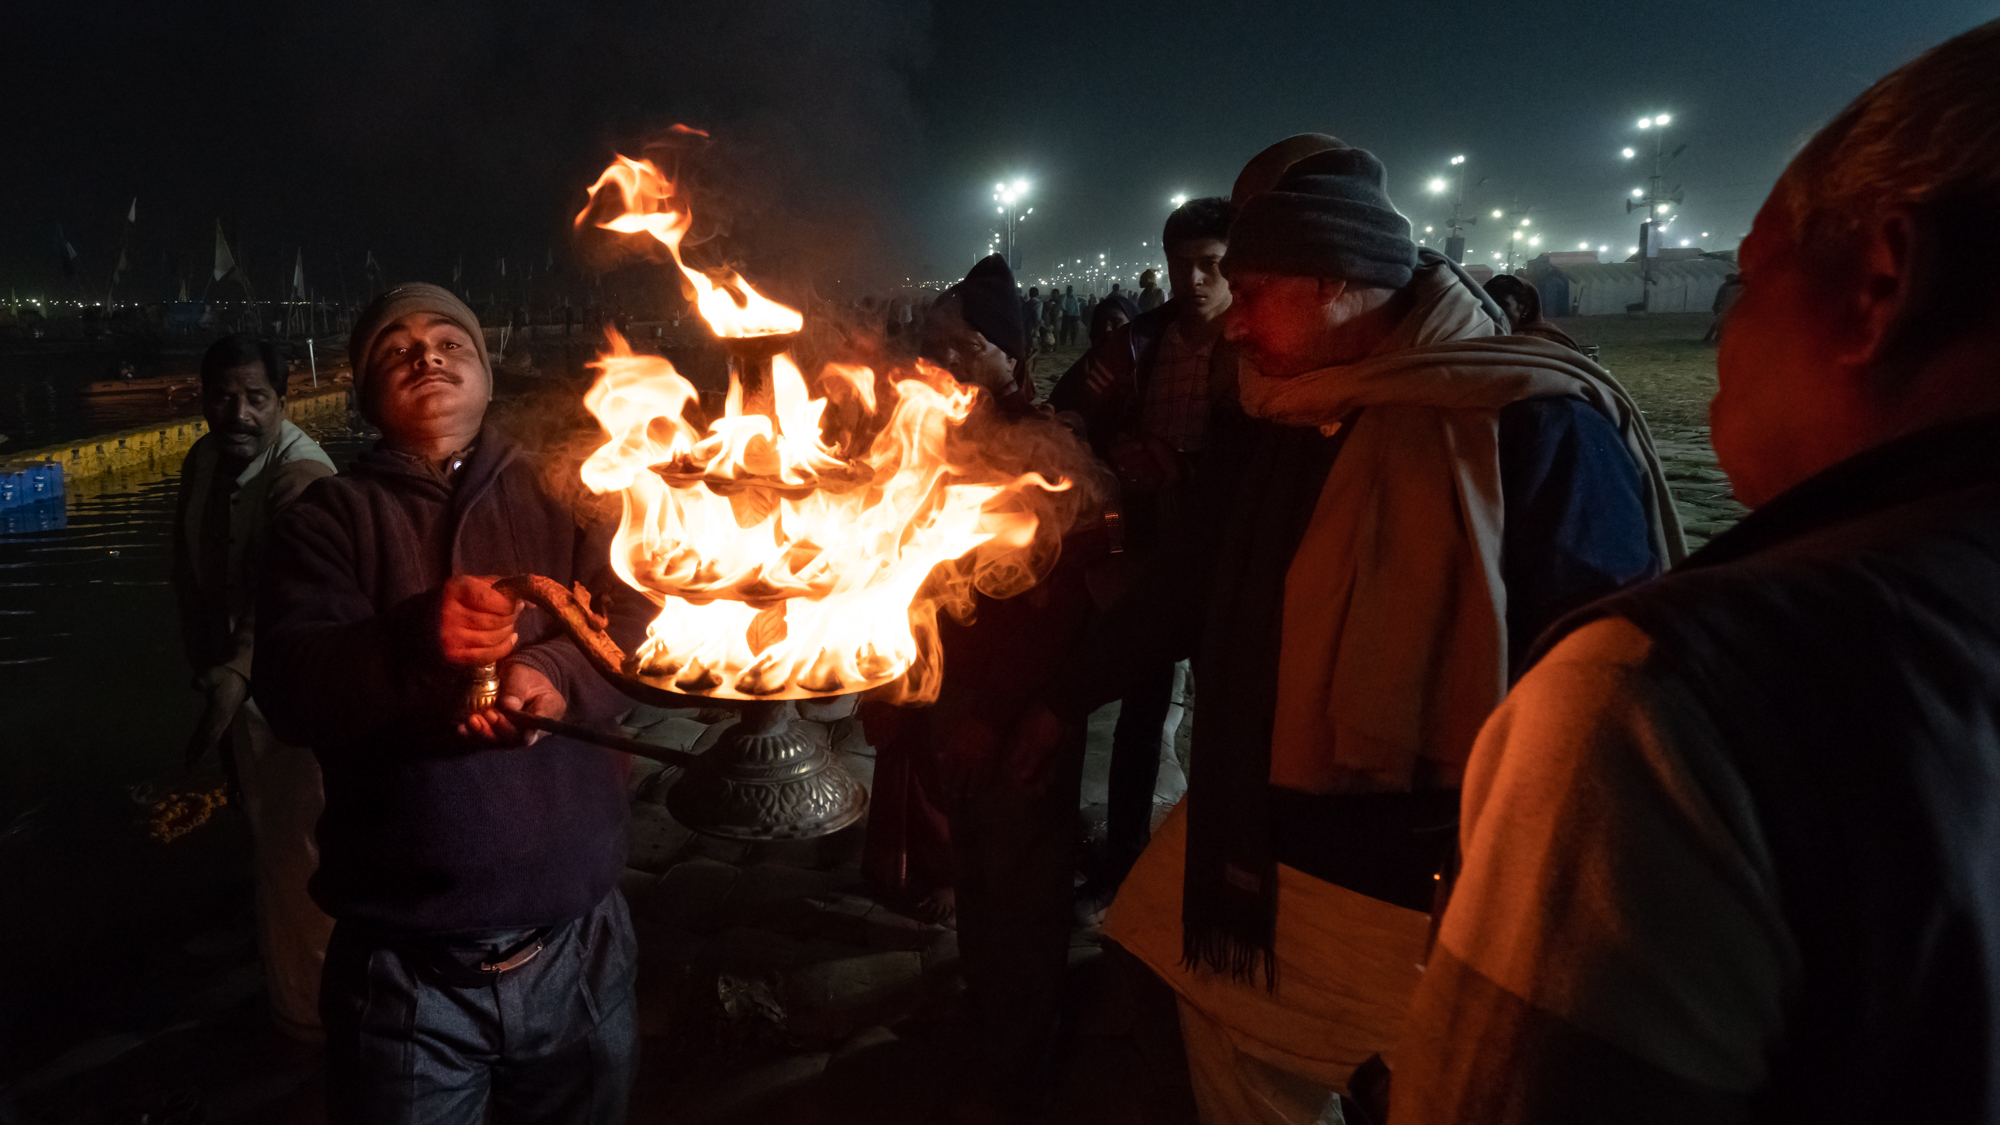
<point>184,289</point>
<point>503,267</point>
<point>299,274</point>
<point>457,271</point>
<point>120,268</point>
<point>132,216</point>
<point>224,260</point>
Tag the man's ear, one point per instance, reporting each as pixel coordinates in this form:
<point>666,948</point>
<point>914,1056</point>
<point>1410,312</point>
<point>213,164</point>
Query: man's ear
<point>1331,289</point>
<point>1881,295</point>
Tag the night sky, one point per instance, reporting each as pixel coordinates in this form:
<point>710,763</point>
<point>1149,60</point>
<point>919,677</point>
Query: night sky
<point>859,141</point>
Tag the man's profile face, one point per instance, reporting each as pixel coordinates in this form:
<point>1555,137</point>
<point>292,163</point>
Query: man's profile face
<point>1280,321</point>
<point>243,411</point>
<point>955,345</point>
<point>425,376</point>
<point>1510,303</point>
<point>1194,269</point>
<point>1778,378</point>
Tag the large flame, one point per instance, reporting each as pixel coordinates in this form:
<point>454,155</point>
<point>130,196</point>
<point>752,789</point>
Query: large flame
<point>786,564</point>
<point>724,299</point>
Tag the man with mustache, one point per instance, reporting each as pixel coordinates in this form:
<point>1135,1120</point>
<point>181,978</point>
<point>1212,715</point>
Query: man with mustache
<point>1407,498</point>
<point>482,959</point>
<point>251,465</point>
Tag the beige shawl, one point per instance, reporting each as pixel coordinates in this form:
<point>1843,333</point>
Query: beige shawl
<point>1394,647</point>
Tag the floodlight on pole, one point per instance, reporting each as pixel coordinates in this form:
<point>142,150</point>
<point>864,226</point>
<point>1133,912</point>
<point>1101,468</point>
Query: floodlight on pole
<point>1438,185</point>
<point>1654,201</point>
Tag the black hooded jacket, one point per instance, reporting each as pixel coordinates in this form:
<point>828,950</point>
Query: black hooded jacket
<point>423,833</point>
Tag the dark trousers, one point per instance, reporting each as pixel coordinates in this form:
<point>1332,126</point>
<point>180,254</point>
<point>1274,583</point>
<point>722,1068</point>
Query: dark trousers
<point>1069,329</point>
<point>1015,855</point>
<point>410,1037</point>
<point>1135,766</point>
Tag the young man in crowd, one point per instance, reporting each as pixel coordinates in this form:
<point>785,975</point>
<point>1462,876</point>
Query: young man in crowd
<point>1729,848</point>
<point>1147,393</point>
<point>1072,316</point>
<point>251,465</point>
<point>1150,295</point>
<point>482,960</point>
<point>1522,303</point>
<point>1409,502</point>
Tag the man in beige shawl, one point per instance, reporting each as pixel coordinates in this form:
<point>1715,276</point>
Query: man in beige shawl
<point>1413,498</point>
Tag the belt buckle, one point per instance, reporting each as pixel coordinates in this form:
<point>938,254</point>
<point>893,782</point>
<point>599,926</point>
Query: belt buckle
<point>517,960</point>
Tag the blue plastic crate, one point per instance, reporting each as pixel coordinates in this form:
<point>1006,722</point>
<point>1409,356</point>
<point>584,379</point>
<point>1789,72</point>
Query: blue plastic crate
<point>32,484</point>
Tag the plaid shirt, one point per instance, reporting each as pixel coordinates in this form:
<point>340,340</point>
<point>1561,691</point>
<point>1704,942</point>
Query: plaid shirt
<point>1175,398</point>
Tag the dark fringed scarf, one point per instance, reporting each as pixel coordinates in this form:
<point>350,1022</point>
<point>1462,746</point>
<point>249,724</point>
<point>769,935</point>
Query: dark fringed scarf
<point>1229,910</point>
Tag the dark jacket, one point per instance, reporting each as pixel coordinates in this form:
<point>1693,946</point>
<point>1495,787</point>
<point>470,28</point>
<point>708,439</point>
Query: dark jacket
<point>422,833</point>
<point>1129,351</point>
<point>1844,643</point>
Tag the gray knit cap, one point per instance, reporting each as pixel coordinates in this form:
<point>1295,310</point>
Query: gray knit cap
<point>397,303</point>
<point>1329,215</point>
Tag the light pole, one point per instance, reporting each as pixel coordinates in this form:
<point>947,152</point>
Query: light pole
<point>1518,234</point>
<point>1653,201</point>
<point>1454,243</point>
<point>1007,203</point>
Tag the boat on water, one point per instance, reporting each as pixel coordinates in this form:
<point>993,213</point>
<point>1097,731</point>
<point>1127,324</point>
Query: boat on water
<point>126,385</point>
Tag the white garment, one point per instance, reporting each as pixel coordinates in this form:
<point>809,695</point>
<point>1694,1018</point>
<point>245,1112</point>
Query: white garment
<point>1347,966</point>
<point>283,796</point>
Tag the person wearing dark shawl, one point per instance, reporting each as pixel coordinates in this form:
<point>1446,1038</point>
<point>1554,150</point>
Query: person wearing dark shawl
<point>1012,850</point>
<point>1408,502</point>
<point>1522,303</point>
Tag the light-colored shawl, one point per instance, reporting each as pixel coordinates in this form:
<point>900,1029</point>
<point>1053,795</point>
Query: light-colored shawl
<point>1394,646</point>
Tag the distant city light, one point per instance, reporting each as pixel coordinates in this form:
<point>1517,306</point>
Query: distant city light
<point>1604,249</point>
<point>1524,222</point>
<point>1684,242</point>
<point>1645,123</point>
<point>1517,235</point>
<point>1661,119</point>
<point>1633,250</point>
<point>1458,160</point>
<point>1430,230</point>
<point>1437,185</point>
<point>1180,199</point>
<point>1637,192</point>
<point>1496,214</point>
<point>1704,234</point>
<point>1535,241</point>
<point>1662,208</point>
<point>1629,154</point>
<point>1583,246</point>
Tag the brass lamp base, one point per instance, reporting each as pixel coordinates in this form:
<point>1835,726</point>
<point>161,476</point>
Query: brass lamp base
<point>768,779</point>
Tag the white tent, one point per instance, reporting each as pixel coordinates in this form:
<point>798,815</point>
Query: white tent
<point>1679,285</point>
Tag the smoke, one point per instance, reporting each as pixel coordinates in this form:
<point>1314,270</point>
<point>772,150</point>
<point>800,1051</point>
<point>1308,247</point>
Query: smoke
<point>459,128</point>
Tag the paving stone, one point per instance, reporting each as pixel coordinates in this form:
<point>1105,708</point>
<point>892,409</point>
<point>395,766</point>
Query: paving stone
<point>675,733</point>
<point>746,949</point>
<point>850,738</point>
<point>732,852</point>
<point>769,891</point>
<point>832,999</point>
<point>829,710</point>
<point>656,839</point>
<point>691,893</point>
<point>757,1089</point>
<point>941,955</point>
<point>863,1041</point>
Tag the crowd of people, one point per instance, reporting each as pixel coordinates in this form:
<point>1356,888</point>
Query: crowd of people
<point>1501,808</point>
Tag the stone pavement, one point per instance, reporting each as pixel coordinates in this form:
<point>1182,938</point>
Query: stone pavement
<point>772,988</point>
<point>1701,491</point>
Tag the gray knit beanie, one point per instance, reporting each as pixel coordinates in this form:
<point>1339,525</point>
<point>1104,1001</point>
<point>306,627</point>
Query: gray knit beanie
<point>397,303</point>
<point>1329,215</point>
